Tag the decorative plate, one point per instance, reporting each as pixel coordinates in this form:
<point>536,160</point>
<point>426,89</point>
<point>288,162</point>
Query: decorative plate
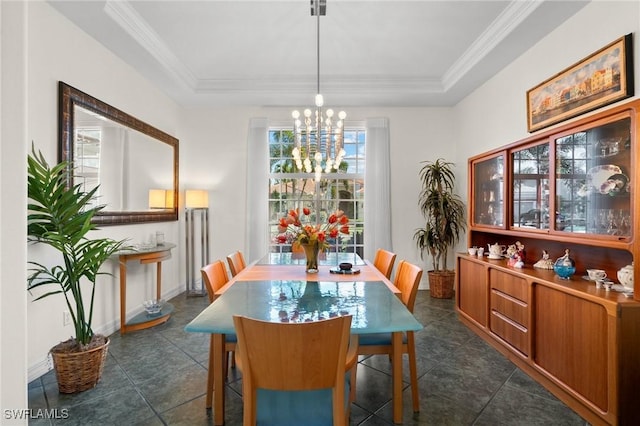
<point>615,184</point>
<point>599,175</point>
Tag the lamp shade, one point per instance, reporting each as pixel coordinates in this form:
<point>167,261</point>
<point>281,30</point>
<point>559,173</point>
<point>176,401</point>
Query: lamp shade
<point>160,199</point>
<point>196,199</point>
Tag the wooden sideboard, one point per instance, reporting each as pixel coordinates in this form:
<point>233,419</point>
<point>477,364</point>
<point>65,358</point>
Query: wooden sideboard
<point>571,187</point>
<point>581,343</point>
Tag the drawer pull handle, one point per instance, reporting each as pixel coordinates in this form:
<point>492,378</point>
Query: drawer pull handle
<point>509,321</point>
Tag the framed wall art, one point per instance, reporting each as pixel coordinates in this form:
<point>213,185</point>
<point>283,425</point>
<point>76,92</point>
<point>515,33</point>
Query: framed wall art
<point>601,78</point>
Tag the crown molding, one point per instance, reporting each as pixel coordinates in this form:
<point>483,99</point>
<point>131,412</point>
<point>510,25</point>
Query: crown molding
<point>333,83</point>
<point>512,16</point>
<point>125,16</point>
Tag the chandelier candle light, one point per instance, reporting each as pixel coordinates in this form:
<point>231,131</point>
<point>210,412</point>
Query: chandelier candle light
<point>320,130</point>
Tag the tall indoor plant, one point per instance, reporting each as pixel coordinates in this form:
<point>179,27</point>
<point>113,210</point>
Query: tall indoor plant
<point>444,222</point>
<point>60,217</point>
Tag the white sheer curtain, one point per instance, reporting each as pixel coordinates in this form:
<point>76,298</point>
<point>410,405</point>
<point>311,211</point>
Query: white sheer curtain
<point>257,189</point>
<point>377,194</point>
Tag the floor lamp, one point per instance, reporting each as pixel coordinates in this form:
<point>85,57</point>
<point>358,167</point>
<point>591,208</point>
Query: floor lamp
<point>196,201</point>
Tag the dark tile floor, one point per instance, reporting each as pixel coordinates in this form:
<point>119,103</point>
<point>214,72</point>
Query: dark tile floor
<point>158,376</point>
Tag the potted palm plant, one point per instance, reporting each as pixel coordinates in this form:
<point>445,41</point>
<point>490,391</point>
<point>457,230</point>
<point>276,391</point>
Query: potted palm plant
<point>60,217</point>
<point>444,214</point>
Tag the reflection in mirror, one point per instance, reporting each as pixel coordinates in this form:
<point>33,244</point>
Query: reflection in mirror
<point>125,157</point>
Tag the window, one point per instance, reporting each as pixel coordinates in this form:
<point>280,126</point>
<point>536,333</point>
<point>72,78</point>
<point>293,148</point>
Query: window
<point>290,188</point>
<point>87,160</point>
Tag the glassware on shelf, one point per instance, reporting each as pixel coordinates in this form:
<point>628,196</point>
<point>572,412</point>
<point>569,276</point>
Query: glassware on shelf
<point>612,222</point>
<point>608,147</point>
<point>489,189</point>
<point>594,179</point>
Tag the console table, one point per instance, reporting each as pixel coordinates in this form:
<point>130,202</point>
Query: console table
<point>155,254</point>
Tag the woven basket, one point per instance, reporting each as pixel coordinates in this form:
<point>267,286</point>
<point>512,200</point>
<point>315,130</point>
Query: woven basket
<point>441,284</point>
<point>79,371</point>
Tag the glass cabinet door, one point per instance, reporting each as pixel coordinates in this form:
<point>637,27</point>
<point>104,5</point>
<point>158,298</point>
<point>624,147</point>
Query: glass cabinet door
<point>530,169</point>
<point>488,191</point>
<point>592,187</point>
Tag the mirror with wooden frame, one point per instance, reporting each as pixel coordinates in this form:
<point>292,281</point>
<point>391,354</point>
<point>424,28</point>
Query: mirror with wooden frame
<point>134,165</point>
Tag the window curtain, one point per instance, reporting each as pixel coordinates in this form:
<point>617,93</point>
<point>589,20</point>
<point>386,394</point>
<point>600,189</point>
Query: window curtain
<point>377,194</point>
<point>257,235</point>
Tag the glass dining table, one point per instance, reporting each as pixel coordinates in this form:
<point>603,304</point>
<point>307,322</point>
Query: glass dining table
<point>274,289</point>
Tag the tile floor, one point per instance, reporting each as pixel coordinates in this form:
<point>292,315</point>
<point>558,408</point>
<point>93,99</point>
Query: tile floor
<point>158,377</point>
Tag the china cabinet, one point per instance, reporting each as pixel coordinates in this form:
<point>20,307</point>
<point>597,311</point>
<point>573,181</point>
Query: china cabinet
<point>568,188</point>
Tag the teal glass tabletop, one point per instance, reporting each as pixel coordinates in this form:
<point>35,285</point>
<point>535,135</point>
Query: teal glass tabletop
<point>374,308</point>
<point>324,259</point>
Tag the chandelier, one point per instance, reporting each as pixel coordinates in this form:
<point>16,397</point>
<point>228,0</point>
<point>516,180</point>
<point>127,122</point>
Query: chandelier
<point>319,134</point>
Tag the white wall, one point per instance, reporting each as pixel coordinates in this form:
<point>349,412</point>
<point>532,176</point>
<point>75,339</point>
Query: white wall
<point>58,51</point>
<point>13,198</point>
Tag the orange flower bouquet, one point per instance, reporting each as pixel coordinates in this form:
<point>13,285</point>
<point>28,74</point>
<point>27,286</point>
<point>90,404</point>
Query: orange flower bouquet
<point>292,230</point>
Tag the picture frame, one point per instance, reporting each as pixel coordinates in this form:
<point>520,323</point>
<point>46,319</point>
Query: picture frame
<point>604,77</point>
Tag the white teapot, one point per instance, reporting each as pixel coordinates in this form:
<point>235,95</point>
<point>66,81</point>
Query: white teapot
<point>495,251</point>
<point>625,276</point>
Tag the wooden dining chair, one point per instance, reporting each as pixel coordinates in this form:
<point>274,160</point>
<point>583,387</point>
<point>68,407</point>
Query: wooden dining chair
<point>407,280</point>
<point>214,276</point>
<point>236,263</point>
<point>383,261</point>
<point>279,359</point>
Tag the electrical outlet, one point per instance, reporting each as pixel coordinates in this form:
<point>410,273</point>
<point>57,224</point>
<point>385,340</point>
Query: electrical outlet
<point>66,318</point>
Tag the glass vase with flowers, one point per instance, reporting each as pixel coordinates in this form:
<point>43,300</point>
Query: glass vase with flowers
<point>313,238</point>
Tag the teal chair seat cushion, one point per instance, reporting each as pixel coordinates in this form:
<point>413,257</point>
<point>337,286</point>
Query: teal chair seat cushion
<point>289,408</point>
<point>376,339</point>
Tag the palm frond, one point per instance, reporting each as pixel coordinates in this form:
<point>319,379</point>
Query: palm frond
<point>444,211</point>
<point>60,216</point>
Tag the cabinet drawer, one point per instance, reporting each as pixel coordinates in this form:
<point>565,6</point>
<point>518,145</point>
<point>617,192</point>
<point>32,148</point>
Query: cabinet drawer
<point>510,307</point>
<point>509,284</point>
<point>511,332</point>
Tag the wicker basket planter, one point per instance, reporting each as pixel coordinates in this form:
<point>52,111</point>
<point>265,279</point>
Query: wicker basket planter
<point>78,371</point>
<point>441,284</point>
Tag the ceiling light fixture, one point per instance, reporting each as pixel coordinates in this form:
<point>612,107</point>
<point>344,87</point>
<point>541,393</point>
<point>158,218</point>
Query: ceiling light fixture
<point>320,137</point>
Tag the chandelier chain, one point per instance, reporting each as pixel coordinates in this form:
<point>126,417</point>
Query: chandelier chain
<point>319,141</point>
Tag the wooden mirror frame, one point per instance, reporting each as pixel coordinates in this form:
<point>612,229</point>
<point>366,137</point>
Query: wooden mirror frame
<point>68,97</point>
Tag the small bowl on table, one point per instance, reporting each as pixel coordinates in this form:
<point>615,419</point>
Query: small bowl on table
<point>153,307</point>
<point>345,266</point>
